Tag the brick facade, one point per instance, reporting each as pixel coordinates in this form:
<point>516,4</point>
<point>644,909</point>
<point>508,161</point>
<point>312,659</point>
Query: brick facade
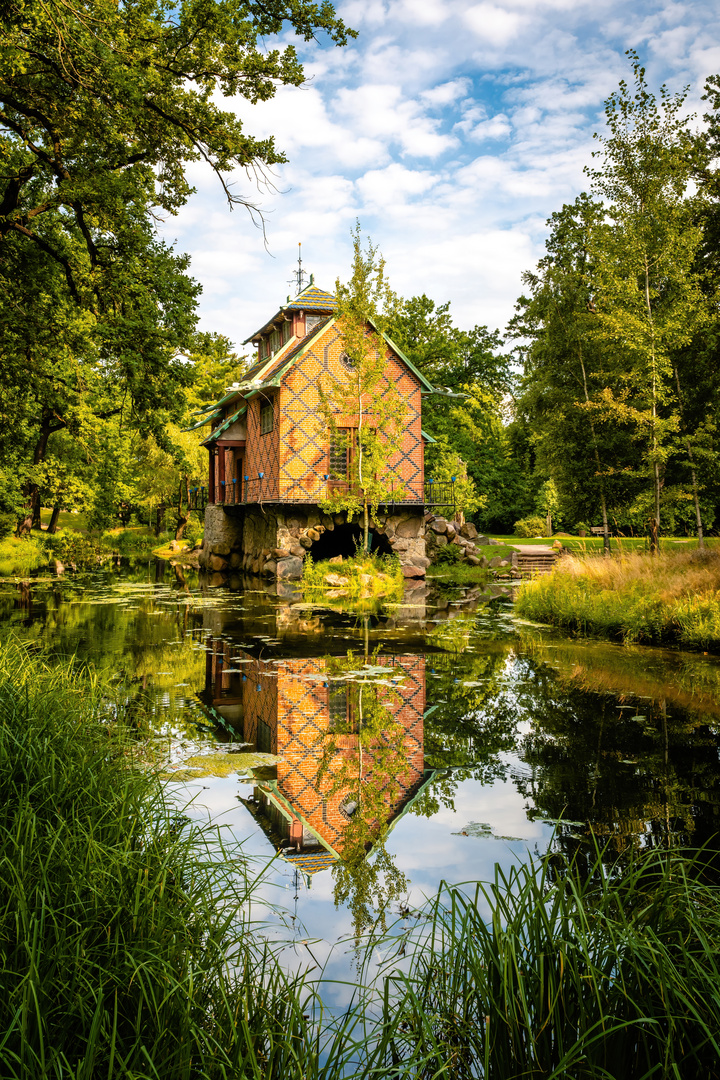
<point>285,710</point>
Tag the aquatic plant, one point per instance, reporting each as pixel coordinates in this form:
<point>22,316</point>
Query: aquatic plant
<point>672,597</point>
<point>560,969</point>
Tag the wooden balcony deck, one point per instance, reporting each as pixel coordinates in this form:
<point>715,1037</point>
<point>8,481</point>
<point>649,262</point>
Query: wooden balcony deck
<point>440,493</point>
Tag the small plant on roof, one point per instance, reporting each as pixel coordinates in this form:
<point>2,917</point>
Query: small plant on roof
<point>363,408</point>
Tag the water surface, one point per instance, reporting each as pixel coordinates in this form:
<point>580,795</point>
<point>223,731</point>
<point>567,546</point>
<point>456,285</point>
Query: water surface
<point>369,759</point>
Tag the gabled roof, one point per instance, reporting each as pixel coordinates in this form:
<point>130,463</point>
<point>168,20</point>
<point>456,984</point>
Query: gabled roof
<point>312,299</point>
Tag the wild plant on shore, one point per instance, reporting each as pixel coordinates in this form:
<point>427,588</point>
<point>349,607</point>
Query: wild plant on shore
<point>672,597</point>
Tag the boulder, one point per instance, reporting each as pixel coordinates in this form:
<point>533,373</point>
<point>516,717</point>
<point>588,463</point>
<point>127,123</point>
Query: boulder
<point>440,540</point>
<point>420,560</point>
<point>306,542</point>
<point>270,567</point>
<point>280,553</point>
<point>505,562</point>
<point>290,569</point>
<point>336,559</point>
<point>297,551</point>
<point>439,525</point>
<point>400,545</point>
<point>218,549</point>
<point>469,530</point>
<point>235,560</point>
<point>337,580</point>
<point>215,562</point>
<point>312,534</point>
<point>495,561</point>
<point>408,528</point>
<point>473,560</point>
<point>174,545</point>
<point>450,532</point>
<point>482,541</point>
<point>413,571</point>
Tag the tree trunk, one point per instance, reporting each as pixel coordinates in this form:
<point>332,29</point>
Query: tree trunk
<point>603,501</point>
<point>52,527</point>
<point>366,529</point>
<point>693,474</point>
<point>159,519</point>
<point>548,524</point>
<point>32,491</point>
<point>183,518</point>
<point>655,528</point>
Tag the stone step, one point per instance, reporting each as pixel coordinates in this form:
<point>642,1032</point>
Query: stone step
<point>540,563</point>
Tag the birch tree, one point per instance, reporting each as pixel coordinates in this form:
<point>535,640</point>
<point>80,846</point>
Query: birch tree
<point>649,300</point>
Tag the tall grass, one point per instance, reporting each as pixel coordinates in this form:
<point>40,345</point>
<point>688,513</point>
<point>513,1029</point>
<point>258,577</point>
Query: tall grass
<point>124,950</point>
<point>557,970</point>
<point>673,597</point>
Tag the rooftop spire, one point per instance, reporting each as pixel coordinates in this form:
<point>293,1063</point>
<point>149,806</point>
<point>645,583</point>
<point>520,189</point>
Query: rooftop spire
<point>297,281</point>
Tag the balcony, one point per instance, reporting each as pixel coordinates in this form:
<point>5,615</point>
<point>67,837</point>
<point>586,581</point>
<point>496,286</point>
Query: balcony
<point>437,493</point>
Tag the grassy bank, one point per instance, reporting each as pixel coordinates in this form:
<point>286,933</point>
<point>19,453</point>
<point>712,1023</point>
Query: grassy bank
<point>362,582</point>
<point>123,950</point>
<point>673,598</point>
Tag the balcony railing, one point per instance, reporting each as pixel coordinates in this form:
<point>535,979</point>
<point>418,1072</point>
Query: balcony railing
<point>437,493</point>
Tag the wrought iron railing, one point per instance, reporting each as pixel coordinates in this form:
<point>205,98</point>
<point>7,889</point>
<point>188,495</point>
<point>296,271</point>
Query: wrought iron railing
<point>261,489</point>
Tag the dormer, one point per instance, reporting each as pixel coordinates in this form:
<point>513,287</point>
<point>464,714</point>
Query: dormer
<point>295,319</point>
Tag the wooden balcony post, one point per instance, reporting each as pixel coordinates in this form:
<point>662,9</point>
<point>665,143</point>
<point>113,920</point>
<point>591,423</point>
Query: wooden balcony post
<point>211,476</point>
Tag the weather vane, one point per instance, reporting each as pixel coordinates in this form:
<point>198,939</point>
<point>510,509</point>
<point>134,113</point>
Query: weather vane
<point>297,281</point>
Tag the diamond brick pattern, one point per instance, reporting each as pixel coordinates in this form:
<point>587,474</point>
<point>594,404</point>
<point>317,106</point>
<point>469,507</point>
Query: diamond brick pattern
<point>291,698</point>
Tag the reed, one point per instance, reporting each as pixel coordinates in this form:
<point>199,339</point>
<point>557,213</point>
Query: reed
<point>561,970</point>
<point>126,949</point>
<point>673,597</point>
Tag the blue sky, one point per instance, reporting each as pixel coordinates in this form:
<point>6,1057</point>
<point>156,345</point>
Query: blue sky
<point>451,130</point>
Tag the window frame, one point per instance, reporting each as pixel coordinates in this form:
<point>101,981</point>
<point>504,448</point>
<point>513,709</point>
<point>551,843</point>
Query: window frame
<point>268,408</point>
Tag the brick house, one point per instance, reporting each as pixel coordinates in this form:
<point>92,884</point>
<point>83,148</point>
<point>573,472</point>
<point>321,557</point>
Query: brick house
<point>271,460</point>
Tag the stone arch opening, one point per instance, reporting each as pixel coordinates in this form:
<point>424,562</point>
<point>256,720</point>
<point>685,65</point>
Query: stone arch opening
<point>380,545</point>
<point>342,540</point>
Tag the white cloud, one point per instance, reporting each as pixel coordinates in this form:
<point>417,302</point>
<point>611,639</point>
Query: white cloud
<point>452,129</point>
<point>494,25</point>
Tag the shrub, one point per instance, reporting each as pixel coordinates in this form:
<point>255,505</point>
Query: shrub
<point>530,526</point>
<point>448,555</point>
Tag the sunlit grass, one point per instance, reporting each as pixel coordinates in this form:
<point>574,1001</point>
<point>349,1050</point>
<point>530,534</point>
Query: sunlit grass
<point>362,582</point>
<point>672,597</point>
<point>20,556</point>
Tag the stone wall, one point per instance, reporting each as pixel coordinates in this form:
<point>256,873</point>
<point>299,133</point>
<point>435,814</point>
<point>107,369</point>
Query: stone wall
<point>274,542</point>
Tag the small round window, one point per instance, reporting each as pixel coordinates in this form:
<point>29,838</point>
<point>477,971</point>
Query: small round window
<point>347,361</point>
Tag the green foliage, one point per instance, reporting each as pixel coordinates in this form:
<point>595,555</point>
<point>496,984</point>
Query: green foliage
<point>562,968</point>
<point>448,555</point>
<point>365,582</point>
<point>531,526</point>
<point>123,947</point>
<point>96,133</point>
<point>675,600</point>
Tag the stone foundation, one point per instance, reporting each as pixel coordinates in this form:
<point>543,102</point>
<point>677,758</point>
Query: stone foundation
<point>274,541</point>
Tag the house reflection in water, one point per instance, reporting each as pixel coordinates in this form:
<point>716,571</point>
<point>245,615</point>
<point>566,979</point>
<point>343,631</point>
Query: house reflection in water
<point>349,736</point>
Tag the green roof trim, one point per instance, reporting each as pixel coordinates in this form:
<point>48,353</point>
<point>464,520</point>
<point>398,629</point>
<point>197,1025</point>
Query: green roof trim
<point>427,438</point>
<point>206,420</point>
<point>427,386</point>
<point>226,424</point>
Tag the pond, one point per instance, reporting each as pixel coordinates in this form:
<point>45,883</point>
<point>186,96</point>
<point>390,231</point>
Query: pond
<point>361,761</point>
